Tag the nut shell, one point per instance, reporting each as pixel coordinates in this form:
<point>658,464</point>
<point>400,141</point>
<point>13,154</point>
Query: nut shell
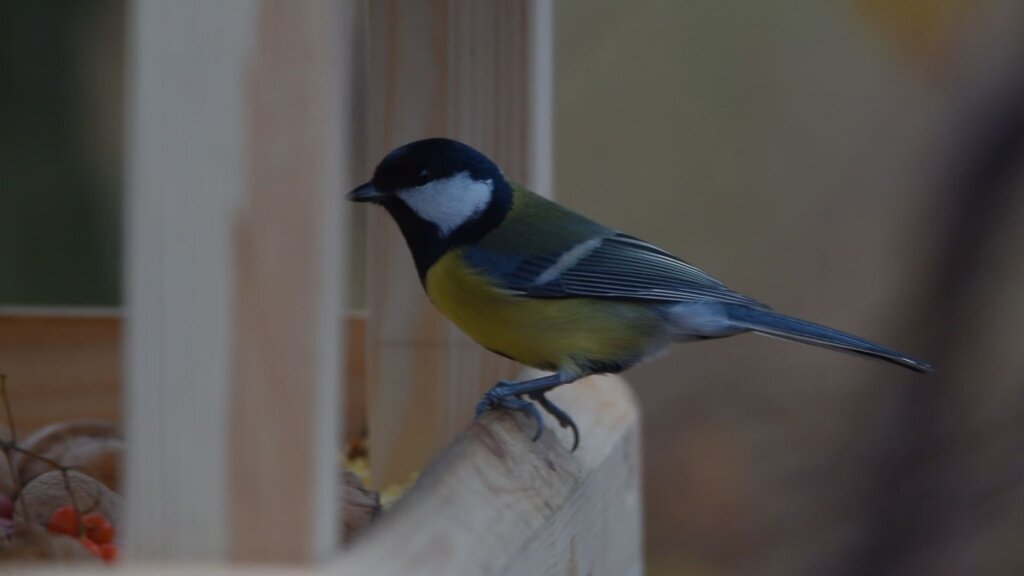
<point>93,447</point>
<point>359,506</point>
<point>48,492</point>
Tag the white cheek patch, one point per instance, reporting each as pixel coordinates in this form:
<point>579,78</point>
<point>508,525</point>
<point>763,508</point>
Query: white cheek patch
<point>449,202</point>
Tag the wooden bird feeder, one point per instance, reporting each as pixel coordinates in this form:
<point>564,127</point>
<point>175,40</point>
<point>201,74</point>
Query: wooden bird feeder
<point>233,366</point>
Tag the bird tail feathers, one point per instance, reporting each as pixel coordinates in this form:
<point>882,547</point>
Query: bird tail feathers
<point>788,328</point>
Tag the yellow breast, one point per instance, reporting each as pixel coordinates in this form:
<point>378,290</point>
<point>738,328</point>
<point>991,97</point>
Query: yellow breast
<point>573,334</point>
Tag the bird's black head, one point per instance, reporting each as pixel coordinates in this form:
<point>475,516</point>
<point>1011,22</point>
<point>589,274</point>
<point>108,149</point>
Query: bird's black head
<point>425,161</point>
<point>442,193</point>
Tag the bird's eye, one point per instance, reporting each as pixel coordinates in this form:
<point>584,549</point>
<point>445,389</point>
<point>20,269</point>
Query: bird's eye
<point>423,177</point>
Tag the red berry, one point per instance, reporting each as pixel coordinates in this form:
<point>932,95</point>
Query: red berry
<point>6,506</point>
<point>91,546</point>
<point>97,528</point>
<point>108,552</point>
<point>64,520</point>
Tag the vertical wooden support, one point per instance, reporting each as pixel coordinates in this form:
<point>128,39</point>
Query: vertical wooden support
<point>233,270</point>
<point>477,71</point>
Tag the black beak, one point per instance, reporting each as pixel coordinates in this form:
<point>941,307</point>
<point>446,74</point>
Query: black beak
<point>365,193</point>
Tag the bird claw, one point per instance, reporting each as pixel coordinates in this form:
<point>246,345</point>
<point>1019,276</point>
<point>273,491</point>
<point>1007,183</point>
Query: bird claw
<point>563,418</point>
<point>494,399</point>
<point>498,398</point>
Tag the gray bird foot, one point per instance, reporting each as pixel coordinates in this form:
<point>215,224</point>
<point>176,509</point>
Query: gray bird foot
<point>496,398</point>
<point>502,396</point>
<point>563,418</point>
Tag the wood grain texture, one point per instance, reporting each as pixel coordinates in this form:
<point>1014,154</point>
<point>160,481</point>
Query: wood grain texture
<point>467,70</point>
<point>284,418</point>
<point>65,364</point>
<point>233,271</point>
<point>495,503</point>
<point>61,364</point>
<point>352,400</point>
<point>185,176</point>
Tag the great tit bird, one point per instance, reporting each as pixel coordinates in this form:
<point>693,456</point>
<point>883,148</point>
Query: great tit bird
<point>547,287</point>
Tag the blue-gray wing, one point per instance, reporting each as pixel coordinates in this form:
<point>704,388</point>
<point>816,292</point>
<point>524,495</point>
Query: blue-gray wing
<point>616,266</point>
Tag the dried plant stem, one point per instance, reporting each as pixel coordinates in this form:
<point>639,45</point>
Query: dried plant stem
<point>7,445</point>
<point>10,446</point>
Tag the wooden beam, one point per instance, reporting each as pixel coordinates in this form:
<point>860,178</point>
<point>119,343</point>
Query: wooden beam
<point>65,364</point>
<point>233,271</point>
<point>476,71</point>
<point>496,503</point>
<point>62,364</point>
<point>287,271</point>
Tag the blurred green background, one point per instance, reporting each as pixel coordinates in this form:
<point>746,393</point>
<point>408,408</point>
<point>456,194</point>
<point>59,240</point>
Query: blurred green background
<point>61,85</point>
<point>855,162</point>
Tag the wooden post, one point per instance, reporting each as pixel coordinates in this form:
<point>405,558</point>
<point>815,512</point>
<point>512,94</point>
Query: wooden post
<point>477,71</point>
<point>495,502</point>
<point>233,270</point>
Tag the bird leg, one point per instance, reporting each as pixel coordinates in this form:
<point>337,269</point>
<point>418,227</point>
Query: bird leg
<point>494,399</point>
<point>508,395</point>
<point>563,418</point>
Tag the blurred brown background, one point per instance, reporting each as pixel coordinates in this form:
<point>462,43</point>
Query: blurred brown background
<point>855,162</point>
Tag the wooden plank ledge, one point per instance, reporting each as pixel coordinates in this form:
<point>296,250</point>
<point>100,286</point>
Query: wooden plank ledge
<point>61,364</point>
<point>496,503</point>
<point>64,363</point>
